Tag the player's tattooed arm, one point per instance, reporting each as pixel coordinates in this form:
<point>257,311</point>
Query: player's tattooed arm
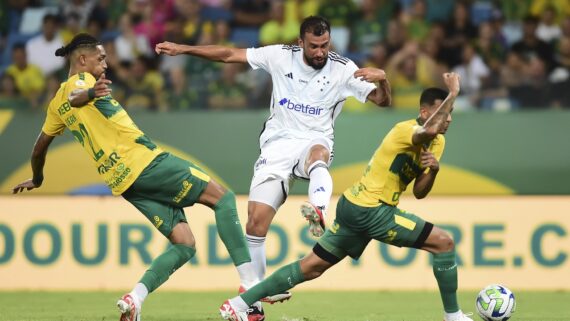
<point>38,160</point>
<point>213,53</point>
<point>80,97</point>
<point>382,94</point>
<point>433,125</point>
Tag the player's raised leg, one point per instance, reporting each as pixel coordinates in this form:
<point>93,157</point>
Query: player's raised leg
<point>320,188</point>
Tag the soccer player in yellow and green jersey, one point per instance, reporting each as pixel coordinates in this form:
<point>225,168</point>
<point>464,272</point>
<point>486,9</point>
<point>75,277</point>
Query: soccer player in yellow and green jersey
<point>157,183</point>
<point>367,211</point>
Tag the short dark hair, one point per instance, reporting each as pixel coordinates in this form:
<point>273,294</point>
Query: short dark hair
<point>430,95</point>
<point>50,17</point>
<point>316,25</point>
<point>82,40</point>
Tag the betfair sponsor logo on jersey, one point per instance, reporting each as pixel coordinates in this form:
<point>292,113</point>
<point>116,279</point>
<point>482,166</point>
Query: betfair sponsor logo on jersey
<point>301,108</point>
<point>105,243</point>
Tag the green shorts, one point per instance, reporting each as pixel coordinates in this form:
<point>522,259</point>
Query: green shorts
<point>355,226</point>
<point>164,188</point>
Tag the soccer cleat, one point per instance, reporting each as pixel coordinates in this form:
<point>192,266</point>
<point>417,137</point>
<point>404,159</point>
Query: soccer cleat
<point>316,218</point>
<point>229,313</point>
<point>255,312</point>
<point>271,299</point>
<point>461,317</point>
<point>128,308</point>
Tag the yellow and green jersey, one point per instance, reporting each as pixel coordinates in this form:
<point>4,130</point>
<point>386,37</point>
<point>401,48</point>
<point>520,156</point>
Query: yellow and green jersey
<point>394,165</point>
<point>119,149</point>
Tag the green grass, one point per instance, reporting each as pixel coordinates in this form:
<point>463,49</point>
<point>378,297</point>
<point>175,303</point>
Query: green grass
<point>304,306</point>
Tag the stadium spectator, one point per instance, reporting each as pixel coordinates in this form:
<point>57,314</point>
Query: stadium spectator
<point>250,13</point>
<point>414,19</point>
<point>367,30</point>
<point>29,78</point>
<point>82,8</point>
<point>278,30</point>
<point>144,86</point>
<point>559,78</point>
<point>530,45</point>
<point>458,31</point>
<point>48,41</point>
<point>71,27</point>
<point>128,44</point>
<point>473,72</point>
<point>410,70</point>
<point>10,97</point>
<point>227,92</point>
<point>548,29</point>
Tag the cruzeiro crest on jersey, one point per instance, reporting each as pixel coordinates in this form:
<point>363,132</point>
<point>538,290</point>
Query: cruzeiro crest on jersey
<point>300,108</point>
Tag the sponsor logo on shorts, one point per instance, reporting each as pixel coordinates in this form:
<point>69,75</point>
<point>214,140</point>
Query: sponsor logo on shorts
<point>391,236</point>
<point>300,108</point>
<point>157,221</point>
<point>186,186</point>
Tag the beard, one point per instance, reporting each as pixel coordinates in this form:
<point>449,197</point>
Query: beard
<point>316,64</point>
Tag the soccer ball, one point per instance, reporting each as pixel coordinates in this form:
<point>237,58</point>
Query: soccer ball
<point>495,303</point>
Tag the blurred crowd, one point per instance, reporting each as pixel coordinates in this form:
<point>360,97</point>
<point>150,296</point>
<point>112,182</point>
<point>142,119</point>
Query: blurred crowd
<point>511,54</point>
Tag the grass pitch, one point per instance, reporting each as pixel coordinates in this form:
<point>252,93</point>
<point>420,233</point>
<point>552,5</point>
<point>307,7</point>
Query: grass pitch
<point>304,306</point>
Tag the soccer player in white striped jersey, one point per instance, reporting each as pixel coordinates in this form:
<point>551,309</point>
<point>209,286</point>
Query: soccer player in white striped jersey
<point>310,85</point>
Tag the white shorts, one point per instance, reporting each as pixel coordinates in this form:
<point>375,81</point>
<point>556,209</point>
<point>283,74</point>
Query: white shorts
<point>281,161</point>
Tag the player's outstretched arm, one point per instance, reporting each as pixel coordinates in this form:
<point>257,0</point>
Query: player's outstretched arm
<point>80,97</point>
<point>38,160</point>
<point>213,53</point>
<point>432,125</point>
<point>382,95</point>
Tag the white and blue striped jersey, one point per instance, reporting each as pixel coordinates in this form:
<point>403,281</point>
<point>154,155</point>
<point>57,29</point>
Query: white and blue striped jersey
<point>305,101</point>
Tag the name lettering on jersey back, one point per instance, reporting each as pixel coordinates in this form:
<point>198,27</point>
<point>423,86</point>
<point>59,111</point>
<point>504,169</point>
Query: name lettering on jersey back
<point>301,108</point>
<point>64,108</point>
<point>70,120</point>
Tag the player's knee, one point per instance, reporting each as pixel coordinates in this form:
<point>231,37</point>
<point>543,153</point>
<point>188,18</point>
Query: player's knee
<point>445,243</point>
<point>256,225</point>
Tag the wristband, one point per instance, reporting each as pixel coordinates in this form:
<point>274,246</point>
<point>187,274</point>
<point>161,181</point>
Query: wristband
<point>91,93</point>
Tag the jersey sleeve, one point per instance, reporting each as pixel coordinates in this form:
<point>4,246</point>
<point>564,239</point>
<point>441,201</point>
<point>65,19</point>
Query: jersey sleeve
<point>81,80</point>
<point>402,134</point>
<point>438,146</point>
<point>53,125</point>
<point>263,57</point>
<point>355,87</point>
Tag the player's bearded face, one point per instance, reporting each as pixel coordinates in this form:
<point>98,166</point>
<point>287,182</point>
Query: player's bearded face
<point>95,61</point>
<point>316,49</point>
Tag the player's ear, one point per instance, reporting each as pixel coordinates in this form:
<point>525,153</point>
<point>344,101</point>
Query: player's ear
<point>300,42</point>
<point>82,60</point>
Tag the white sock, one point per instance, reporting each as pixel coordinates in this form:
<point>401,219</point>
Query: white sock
<point>239,304</point>
<point>320,185</point>
<point>247,275</point>
<point>139,293</point>
<point>256,246</point>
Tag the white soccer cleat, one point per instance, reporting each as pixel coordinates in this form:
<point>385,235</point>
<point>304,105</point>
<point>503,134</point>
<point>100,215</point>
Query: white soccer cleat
<point>128,308</point>
<point>460,317</point>
<point>228,312</point>
<point>316,218</point>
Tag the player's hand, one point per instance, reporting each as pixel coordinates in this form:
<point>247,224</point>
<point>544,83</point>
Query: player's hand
<point>370,74</point>
<point>451,80</point>
<point>428,160</point>
<point>169,48</point>
<point>27,184</point>
<point>101,87</point>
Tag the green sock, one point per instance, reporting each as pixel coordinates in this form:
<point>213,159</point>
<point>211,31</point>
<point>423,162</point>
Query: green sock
<point>280,281</point>
<point>230,230</point>
<point>445,271</point>
<point>165,264</point>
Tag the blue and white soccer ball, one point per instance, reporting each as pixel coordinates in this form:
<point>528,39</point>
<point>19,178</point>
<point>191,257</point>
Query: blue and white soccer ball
<point>495,303</point>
